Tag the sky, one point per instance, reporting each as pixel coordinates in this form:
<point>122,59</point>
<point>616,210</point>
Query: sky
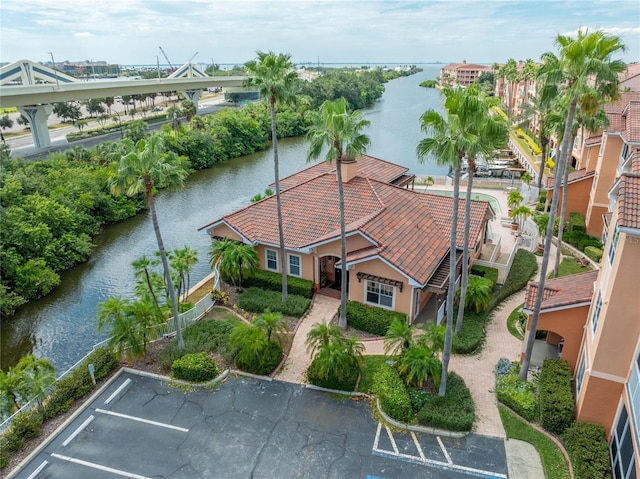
<point>130,32</point>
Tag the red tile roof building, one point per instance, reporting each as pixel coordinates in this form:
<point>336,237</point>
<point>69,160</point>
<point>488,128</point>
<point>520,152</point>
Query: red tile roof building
<point>463,74</point>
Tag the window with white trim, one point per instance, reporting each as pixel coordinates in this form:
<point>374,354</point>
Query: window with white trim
<point>596,313</point>
<point>380,294</point>
<point>633,391</point>
<point>623,459</point>
<point>295,262</point>
<point>582,367</point>
<point>272,260</point>
<point>614,244</point>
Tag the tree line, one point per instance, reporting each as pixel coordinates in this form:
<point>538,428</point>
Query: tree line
<point>51,208</point>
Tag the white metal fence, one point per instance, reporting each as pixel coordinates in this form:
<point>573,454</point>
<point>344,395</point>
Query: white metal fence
<point>157,332</point>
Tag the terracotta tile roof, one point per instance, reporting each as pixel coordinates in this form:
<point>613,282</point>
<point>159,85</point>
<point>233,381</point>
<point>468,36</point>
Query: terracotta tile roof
<point>635,160</point>
<point>574,176</point>
<point>562,292</point>
<point>368,167</point>
<point>409,230</point>
<point>631,115</point>
<point>629,200</point>
<point>593,140</point>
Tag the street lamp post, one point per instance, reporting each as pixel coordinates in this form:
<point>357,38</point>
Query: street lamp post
<point>55,70</point>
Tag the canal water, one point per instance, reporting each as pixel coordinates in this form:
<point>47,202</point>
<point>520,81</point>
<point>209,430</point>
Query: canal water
<point>62,326</point>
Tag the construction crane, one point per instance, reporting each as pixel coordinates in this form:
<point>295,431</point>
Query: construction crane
<point>167,58</point>
<point>194,55</point>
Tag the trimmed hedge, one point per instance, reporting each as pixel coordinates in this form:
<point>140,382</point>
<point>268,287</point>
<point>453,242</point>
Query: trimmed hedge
<point>581,240</point>
<point>486,272</point>
<point>555,396</point>
<point>587,446</point>
<point>273,282</point>
<point>576,222</point>
<point>346,384</point>
<point>256,300</point>
<point>512,391</point>
<point>394,399</point>
<point>371,319</point>
<point>454,412</point>
<point>523,268</point>
<point>593,253</point>
<point>196,368</point>
<point>265,363</point>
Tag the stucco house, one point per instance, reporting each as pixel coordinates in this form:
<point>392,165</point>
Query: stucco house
<point>397,238</point>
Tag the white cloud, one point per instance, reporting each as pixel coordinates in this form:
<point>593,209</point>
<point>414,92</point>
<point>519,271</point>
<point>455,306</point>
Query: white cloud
<point>83,35</point>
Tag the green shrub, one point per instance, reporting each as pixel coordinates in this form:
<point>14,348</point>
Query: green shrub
<point>512,391</point>
<point>587,447</point>
<point>371,319</point>
<point>589,242</point>
<point>486,272</point>
<point>454,411</point>
<point>593,253</point>
<point>576,222</point>
<point>348,383</point>
<point>523,268</point>
<point>24,426</point>
<point>197,367</point>
<point>555,396</point>
<point>394,399</point>
<point>273,281</point>
<point>256,300</point>
<point>472,335</point>
<point>104,361</point>
<point>263,363</point>
<point>4,451</point>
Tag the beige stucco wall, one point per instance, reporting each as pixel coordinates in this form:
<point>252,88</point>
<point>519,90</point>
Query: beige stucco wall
<point>577,197</point>
<point>225,232</point>
<point>402,300</point>
<point>589,158</point>
<point>567,324</point>
<point>598,401</point>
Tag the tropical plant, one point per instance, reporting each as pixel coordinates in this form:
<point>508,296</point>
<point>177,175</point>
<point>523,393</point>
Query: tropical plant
<point>333,126</point>
<point>334,355</point>
<point>587,70</point>
<point>514,199</point>
<point>321,335</point>
<point>142,270</point>
<point>272,323</point>
<point>520,214</point>
<point>542,221</point>
<point>10,390</point>
<point>235,260</point>
<point>274,77</point>
<point>479,293</point>
<point>417,364</point>
<point>182,261</point>
<point>126,336</point>
<point>147,166</point>
<point>399,337</point>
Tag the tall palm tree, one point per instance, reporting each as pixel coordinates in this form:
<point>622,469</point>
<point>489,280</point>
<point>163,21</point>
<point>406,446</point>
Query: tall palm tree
<point>274,76</point>
<point>490,133</point>
<point>10,386</point>
<point>182,261</point>
<point>509,71</point>
<point>585,68</point>
<point>141,268</point>
<point>234,259</point>
<point>333,126</point>
<point>448,138</point>
<point>528,74</point>
<point>148,166</point>
<point>37,376</point>
<point>125,335</point>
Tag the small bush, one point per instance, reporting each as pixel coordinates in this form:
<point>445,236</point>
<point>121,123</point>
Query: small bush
<point>264,363</point>
<point>394,399</point>
<point>593,253</point>
<point>273,282</point>
<point>24,426</point>
<point>517,394</point>
<point>576,222</point>
<point>196,368</point>
<point>348,383</point>
<point>587,446</point>
<point>589,242</point>
<point>371,319</point>
<point>453,412</point>
<point>418,398</point>
<point>219,297</point>
<point>256,300</point>
<point>555,396</point>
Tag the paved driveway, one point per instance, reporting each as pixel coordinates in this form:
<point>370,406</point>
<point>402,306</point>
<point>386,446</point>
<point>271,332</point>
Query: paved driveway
<point>141,427</point>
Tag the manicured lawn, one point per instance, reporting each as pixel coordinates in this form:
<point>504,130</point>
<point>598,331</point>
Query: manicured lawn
<point>369,368</point>
<point>512,323</point>
<point>570,266</point>
<point>553,461</point>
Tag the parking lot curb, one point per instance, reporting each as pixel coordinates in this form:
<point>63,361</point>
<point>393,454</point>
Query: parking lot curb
<point>424,429</point>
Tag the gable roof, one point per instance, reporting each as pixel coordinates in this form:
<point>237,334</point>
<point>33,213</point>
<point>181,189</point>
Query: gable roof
<point>629,200</point>
<point>563,292</point>
<point>574,176</point>
<point>407,229</point>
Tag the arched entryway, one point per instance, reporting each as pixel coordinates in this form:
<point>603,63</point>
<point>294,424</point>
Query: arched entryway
<point>330,276</point>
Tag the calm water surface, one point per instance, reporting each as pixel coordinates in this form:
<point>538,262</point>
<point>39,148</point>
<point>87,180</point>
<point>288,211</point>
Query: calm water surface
<point>62,326</point>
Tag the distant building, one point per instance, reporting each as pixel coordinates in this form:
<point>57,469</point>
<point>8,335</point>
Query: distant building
<point>463,74</point>
<point>86,68</point>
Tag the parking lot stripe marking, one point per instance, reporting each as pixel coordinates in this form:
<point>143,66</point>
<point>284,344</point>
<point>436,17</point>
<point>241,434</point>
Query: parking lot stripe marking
<point>393,441</point>
<point>375,443</point>
<point>444,451</point>
<point>139,419</point>
<point>37,471</point>
<point>78,430</point>
<point>117,391</point>
<point>99,467</point>
<point>415,441</point>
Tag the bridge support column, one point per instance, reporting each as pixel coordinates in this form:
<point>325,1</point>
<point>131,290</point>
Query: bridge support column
<point>193,95</point>
<point>37,116</point>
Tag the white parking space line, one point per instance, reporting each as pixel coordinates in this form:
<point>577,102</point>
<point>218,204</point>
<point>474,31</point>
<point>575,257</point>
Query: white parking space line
<point>37,471</point>
<point>99,467</point>
<point>145,421</point>
<point>415,441</point>
<point>117,391</point>
<point>393,441</point>
<point>78,430</point>
<point>444,451</point>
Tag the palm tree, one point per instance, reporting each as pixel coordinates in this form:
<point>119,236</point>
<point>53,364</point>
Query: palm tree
<point>271,322</point>
<point>10,387</point>
<point>274,76</point>
<point>249,341</point>
<point>417,364</point>
<point>37,376</point>
<point>509,71</point>
<point>182,261</point>
<point>125,335</point>
<point>335,356</point>
<point>479,293</point>
<point>490,134</point>
<point>234,259</point>
<point>447,140</point>
<point>148,166</point>
<point>333,126</point>
<point>321,335</point>
<point>399,337</point>
<point>141,270</point>
<point>587,71</point>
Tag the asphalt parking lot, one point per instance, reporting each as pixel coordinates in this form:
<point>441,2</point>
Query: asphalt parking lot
<point>141,427</point>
